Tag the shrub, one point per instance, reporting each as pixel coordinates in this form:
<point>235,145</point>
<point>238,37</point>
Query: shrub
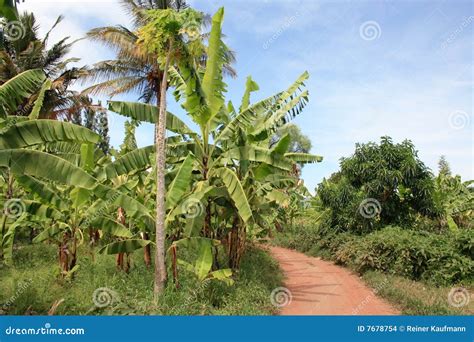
<point>437,259</point>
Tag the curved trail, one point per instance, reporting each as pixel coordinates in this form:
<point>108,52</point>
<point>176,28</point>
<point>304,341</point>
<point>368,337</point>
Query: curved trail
<point>319,287</point>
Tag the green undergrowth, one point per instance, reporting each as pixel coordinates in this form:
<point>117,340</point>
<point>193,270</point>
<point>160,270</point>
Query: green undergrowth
<point>32,286</point>
<point>414,270</point>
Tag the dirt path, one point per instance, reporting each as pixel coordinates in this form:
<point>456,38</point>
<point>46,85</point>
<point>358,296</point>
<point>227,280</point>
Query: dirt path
<point>319,287</point>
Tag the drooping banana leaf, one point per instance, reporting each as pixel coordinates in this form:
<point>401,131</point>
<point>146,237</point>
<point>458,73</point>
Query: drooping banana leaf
<point>180,183</point>
<point>111,227</point>
<point>49,232</point>
<point>33,132</point>
<point>43,165</point>
<point>133,161</point>
<point>236,192</point>
<point>147,113</point>
<point>258,154</point>
<point>47,194</point>
<point>125,246</point>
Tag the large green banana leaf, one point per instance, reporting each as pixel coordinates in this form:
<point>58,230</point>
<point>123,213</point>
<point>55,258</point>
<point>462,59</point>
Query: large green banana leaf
<point>248,118</point>
<point>245,118</point>
<point>180,183</point>
<point>44,191</point>
<point>212,84</point>
<point>41,210</point>
<point>236,192</point>
<point>33,132</point>
<point>147,113</point>
<point>133,161</point>
<point>258,154</point>
<point>125,246</point>
<point>282,115</point>
<point>44,165</point>
<point>111,227</point>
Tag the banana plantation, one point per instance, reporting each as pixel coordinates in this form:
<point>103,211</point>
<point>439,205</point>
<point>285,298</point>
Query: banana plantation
<point>211,216</point>
<point>189,203</point>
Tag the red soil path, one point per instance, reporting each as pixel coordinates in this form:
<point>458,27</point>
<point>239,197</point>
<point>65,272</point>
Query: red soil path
<point>319,287</point>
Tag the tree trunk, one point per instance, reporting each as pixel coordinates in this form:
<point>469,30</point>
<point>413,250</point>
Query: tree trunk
<point>160,145</point>
<point>120,257</point>
<point>234,244</point>
<point>147,251</point>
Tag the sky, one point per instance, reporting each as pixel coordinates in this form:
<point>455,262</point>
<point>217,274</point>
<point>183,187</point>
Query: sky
<point>398,68</point>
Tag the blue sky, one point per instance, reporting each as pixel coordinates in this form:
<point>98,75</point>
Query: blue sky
<point>397,68</point>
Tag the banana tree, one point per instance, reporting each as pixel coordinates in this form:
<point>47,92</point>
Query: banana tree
<point>454,200</point>
<point>221,174</point>
<point>47,175</point>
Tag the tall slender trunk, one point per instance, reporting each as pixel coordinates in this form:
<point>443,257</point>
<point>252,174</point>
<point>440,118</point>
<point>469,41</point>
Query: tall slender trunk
<point>160,145</point>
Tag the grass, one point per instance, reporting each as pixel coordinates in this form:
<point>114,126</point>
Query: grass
<point>33,285</point>
<point>414,297</point>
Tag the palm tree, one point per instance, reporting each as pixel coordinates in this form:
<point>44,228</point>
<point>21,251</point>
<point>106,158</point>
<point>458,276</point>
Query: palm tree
<point>135,70</point>
<point>139,68</point>
<point>31,52</point>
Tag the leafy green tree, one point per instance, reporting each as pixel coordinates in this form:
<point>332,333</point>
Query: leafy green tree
<point>226,172</point>
<point>379,184</point>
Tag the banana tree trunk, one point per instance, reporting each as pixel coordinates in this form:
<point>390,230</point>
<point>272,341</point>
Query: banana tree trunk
<point>160,136</point>
<point>121,260</point>
<point>234,244</point>
<point>146,251</point>
<point>67,252</point>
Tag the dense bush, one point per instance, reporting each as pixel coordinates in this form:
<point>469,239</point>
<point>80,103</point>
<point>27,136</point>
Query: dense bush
<point>438,259</point>
<point>379,185</point>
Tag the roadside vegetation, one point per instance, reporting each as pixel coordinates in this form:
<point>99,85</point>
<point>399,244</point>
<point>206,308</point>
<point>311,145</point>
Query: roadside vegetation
<point>388,218</point>
<point>172,228</point>
<point>140,229</point>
